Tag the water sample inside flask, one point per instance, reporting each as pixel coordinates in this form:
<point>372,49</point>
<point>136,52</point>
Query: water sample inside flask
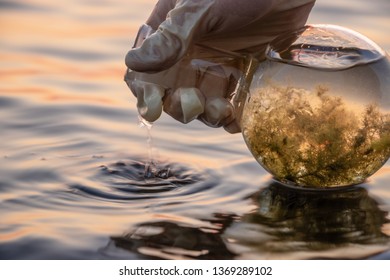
<point>318,111</point>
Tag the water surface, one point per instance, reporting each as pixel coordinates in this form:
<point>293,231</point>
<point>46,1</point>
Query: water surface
<point>73,157</point>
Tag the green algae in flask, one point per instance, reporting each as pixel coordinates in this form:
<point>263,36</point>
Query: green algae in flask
<point>317,111</point>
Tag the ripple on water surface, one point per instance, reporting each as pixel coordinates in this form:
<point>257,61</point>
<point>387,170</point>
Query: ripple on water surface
<point>134,180</point>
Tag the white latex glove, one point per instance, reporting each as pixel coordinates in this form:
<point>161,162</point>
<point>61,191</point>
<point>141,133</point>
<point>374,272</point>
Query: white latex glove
<point>188,90</point>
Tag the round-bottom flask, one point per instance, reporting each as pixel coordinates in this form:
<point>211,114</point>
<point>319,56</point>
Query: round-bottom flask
<point>318,109</point>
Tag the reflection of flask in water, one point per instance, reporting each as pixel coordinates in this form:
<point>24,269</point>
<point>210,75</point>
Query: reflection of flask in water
<point>308,224</point>
<point>318,112</point>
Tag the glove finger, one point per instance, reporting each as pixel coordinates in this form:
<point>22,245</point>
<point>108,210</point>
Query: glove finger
<point>217,112</point>
<point>215,84</point>
<point>185,22</point>
<point>149,99</point>
<point>233,127</point>
<point>185,104</point>
<point>160,12</point>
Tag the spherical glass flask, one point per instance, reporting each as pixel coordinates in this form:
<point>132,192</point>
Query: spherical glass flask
<point>318,109</point>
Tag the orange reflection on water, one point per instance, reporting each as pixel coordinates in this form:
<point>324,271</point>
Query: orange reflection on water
<point>47,45</point>
<point>62,224</point>
<point>43,94</point>
<point>72,52</point>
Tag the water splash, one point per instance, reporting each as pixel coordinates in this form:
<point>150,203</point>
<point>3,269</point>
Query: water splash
<point>124,181</point>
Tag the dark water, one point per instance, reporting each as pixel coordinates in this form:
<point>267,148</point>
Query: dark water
<point>73,157</point>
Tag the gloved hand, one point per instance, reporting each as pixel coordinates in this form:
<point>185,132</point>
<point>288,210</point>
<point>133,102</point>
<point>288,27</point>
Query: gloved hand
<point>169,71</point>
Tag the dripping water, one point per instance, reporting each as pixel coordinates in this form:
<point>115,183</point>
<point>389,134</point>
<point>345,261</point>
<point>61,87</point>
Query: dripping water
<point>152,169</point>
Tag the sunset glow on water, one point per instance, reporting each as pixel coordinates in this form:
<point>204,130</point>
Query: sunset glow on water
<point>72,155</point>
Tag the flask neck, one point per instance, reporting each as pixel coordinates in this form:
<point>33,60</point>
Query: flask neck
<point>241,91</point>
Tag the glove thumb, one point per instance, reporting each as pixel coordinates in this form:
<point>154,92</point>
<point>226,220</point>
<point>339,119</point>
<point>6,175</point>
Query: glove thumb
<point>171,41</point>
